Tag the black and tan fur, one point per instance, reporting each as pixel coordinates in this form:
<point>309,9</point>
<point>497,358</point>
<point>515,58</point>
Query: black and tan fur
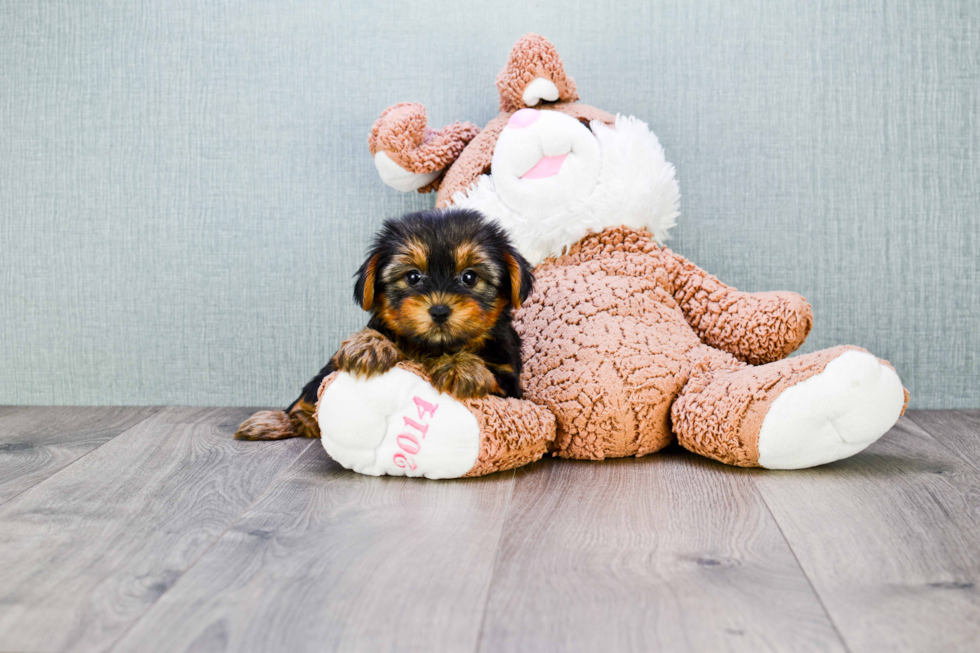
<point>441,287</point>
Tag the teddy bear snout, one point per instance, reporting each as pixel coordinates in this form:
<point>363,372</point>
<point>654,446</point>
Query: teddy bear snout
<point>523,118</point>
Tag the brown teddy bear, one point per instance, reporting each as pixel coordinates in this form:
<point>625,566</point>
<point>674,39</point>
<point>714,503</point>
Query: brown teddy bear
<point>629,345</point>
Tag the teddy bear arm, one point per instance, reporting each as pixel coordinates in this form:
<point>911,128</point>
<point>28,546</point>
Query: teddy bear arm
<point>756,328</point>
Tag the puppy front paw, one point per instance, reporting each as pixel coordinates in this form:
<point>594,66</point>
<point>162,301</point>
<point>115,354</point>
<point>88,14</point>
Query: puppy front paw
<point>366,354</point>
<point>463,375</point>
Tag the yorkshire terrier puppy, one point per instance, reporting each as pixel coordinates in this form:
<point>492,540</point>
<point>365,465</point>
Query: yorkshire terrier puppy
<point>441,287</point>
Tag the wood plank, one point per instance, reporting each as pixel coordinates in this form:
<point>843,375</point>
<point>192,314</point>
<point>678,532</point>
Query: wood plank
<point>330,560</point>
<point>86,552</point>
<point>957,430</point>
<point>36,442</point>
<point>670,552</point>
<point>890,540</point>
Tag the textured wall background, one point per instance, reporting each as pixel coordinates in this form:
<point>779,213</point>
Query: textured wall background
<point>185,188</point>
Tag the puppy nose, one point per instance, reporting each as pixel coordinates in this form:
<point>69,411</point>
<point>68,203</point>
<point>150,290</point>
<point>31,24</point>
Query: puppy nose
<point>440,313</point>
<point>523,118</point>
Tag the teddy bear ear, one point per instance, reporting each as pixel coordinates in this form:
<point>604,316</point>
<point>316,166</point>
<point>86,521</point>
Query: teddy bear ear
<point>534,73</point>
<point>410,155</point>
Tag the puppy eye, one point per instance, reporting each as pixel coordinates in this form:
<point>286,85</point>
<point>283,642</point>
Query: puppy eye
<point>413,277</point>
<point>468,278</point>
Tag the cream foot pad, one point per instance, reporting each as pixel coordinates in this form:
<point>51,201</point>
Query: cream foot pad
<point>835,414</point>
<point>398,424</point>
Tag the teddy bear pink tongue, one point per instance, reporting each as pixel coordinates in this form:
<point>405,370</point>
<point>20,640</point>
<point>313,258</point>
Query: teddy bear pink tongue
<point>548,166</point>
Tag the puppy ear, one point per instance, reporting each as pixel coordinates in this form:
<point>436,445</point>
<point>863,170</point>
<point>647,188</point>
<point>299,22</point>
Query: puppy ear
<point>521,278</point>
<point>367,274</point>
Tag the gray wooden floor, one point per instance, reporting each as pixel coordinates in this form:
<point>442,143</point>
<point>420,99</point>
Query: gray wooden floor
<point>132,529</point>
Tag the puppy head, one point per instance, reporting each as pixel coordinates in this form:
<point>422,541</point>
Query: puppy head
<point>442,279</point>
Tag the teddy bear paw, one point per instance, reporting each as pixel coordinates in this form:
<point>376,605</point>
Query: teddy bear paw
<point>396,424</point>
<point>832,415</point>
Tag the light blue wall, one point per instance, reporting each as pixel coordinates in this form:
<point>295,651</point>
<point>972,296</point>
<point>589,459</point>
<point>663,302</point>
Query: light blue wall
<point>185,188</point>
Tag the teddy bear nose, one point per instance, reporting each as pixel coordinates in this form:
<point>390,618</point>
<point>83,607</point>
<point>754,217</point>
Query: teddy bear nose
<point>523,118</point>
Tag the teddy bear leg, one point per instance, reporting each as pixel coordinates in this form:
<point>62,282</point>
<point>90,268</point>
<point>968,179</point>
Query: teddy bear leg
<point>790,414</point>
<point>398,424</point>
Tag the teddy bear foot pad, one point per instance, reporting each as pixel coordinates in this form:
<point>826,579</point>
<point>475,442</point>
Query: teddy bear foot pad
<point>833,415</point>
<point>397,424</point>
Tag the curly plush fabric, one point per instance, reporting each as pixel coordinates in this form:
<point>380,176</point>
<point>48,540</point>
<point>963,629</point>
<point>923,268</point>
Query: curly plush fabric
<point>473,162</point>
<point>720,411</point>
<point>532,57</point>
<point>618,327</point>
<point>512,433</point>
<point>740,323</point>
<point>402,133</point>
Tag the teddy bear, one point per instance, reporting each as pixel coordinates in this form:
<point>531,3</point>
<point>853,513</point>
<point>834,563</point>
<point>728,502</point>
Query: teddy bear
<point>628,345</point>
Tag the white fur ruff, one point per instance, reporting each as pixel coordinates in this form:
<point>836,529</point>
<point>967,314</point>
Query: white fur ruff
<point>636,188</point>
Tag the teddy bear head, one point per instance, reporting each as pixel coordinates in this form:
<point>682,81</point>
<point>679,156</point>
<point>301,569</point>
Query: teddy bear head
<point>548,168</point>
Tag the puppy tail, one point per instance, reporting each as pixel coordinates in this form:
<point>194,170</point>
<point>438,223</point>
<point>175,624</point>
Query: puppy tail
<point>279,425</point>
<point>266,425</point>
